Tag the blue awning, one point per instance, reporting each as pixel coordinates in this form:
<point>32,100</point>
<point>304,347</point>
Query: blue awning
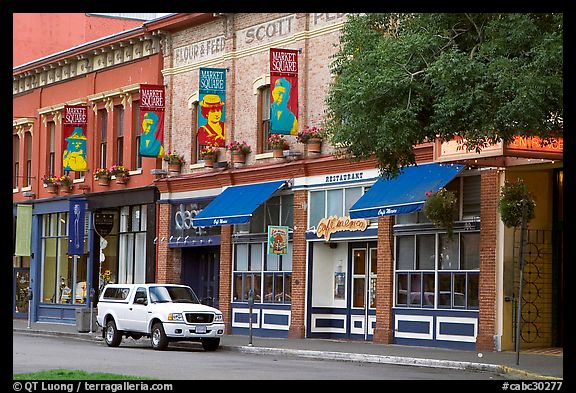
<point>236,204</point>
<point>405,193</point>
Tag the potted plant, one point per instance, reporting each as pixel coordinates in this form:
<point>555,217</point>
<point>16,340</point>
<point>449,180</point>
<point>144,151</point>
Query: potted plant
<point>440,208</point>
<point>239,151</point>
<point>278,145</point>
<point>65,183</point>
<point>121,173</point>
<point>312,137</point>
<point>51,183</point>
<point>174,161</point>
<point>103,176</point>
<point>209,154</point>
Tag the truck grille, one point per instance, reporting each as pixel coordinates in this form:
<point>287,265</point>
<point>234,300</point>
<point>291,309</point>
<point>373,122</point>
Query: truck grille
<point>199,318</point>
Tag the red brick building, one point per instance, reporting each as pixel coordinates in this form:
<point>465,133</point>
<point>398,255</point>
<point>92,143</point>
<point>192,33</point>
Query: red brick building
<point>389,276</point>
<point>371,284</point>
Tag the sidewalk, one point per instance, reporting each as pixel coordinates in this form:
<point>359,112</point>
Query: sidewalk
<point>533,366</point>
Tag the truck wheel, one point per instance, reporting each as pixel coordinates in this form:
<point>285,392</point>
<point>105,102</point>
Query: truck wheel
<point>159,339</point>
<point>112,336</point>
<point>210,344</point>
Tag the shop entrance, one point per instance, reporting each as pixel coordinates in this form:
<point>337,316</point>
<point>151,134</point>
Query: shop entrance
<point>21,282</point>
<point>200,270</point>
<point>363,289</point>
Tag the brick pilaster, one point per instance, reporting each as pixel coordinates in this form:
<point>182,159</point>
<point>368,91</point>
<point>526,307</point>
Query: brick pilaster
<point>383,332</point>
<point>169,263</point>
<point>488,240</point>
<point>225,281</point>
<point>297,322</point>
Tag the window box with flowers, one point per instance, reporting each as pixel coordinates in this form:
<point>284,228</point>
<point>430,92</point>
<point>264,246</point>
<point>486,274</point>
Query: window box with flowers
<point>278,145</point>
<point>103,176</point>
<point>239,151</point>
<point>121,173</point>
<point>312,137</point>
<point>209,154</point>
<point>174,161</point>
<point>51,183</point>
<point>65,183</point>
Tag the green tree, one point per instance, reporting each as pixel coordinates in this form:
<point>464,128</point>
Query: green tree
<point>404,79</point>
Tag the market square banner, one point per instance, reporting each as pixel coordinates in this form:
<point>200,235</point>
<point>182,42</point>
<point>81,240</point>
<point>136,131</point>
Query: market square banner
<point>152,101</point>
<point>74,125</point>
<point>283,91</point>
<point>212,110</point>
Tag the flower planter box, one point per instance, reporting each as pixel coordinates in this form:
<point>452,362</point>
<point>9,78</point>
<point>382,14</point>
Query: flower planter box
<point>238,158</point>
<point>174,167</point>
<point>209,161</point>
<point>122,179</point>
<point>104,181</point>
<point>66,189</point>
<point>52,188</point>
<point>314,145</point>
<point>278,153</point>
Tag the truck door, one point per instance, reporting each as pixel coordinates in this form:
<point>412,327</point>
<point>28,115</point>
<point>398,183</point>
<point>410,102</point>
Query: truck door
<point>138,311</point>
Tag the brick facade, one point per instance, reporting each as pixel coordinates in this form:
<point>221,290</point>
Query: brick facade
<point>384,330</point>
<point>299,245</point>
<point>488,261</point>
<point>167,272</point>
<point>225,279</point>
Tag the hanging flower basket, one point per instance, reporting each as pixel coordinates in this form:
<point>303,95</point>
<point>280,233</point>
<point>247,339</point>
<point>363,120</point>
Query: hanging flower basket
<point>514,198</point>
<point>440,208</point>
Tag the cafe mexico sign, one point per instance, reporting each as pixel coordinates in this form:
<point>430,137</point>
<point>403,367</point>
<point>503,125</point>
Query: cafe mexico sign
<point>327,226</point>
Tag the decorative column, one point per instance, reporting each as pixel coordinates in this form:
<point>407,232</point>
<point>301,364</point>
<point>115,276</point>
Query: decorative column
<point>488,242</point>
<point>384,330</point>
<point>225,280</point>
<point>298,317</point>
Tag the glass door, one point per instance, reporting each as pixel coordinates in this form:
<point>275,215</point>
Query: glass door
<point>363,313</point>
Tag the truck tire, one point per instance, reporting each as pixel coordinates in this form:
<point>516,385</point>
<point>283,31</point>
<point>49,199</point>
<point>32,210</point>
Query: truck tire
<point>112,336</point>
<point>210,344</point>
<point>158,338</point>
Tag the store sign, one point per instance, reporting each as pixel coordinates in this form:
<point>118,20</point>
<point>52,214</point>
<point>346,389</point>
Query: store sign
<point>103,223</point>
<point>76,213</point>
<point>327,226</point>
<point>277,240</point>
<point>535,144</point>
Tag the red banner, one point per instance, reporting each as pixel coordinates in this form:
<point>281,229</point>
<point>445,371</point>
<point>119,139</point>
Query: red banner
<point>152,101</point>
<point>283,91</point>
<point>74,147</point>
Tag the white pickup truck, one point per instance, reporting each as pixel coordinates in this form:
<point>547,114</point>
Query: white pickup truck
<point>163,312</point>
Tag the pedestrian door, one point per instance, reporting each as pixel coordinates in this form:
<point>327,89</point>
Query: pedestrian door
<point>363,299</point>
<point>200,270</point>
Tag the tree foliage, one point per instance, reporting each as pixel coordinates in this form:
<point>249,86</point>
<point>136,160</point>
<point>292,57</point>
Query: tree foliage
<point>404,79</point>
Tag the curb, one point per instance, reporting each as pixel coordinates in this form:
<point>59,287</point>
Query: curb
<point>338,356</point>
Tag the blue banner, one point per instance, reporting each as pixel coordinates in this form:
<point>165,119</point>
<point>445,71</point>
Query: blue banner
<point>76,217</point>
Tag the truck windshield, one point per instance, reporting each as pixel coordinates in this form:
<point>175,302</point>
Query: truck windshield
<point>163,294</point>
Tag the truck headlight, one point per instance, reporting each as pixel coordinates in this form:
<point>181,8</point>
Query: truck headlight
<point>175,317</point>
<point>218,318</point>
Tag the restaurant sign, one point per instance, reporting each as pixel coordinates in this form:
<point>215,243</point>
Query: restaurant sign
<point>327,226</point>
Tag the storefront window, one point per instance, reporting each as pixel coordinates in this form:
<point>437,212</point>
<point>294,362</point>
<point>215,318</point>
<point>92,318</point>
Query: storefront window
<point>132,245</point>
<point>63,277</point>
<point>326,203</point>
<point>270,276</point>
<point>446,279</point>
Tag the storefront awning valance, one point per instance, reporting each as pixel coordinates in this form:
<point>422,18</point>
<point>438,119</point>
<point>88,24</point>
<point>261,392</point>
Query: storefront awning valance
<point>405,193</point>
<point>236,204</point>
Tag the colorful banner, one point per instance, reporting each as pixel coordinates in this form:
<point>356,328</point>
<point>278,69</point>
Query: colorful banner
<point>212,111</point>
<point>23,230</point>
<point>74,125</point>
<point>76,214</point>
<point>152,101</point>
<point>283,91</point>
<point>277,240</point>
